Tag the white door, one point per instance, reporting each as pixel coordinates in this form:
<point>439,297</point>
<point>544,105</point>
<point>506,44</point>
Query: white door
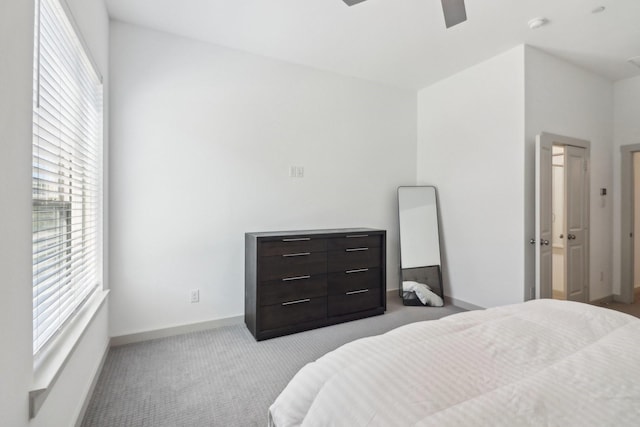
<point>543,214</point>
<point>576,214</point>
<point>577,224</point>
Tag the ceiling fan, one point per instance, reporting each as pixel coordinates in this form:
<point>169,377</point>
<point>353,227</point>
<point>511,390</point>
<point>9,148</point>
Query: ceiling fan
<point>454,11</point>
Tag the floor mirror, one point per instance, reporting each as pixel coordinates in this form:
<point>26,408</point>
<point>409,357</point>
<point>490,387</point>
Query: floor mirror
<point>420,265</point>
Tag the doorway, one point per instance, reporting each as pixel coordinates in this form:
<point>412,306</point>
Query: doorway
<point>562,218</point>
<point>630,212</point>
<point>559,290</point>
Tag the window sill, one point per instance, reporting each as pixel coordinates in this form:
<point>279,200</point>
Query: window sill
<point>49,365</point>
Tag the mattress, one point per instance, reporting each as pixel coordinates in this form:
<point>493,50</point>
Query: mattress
<point>540,363</point>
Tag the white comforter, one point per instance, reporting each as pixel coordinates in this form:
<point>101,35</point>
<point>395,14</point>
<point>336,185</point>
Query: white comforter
<point>541,363</point>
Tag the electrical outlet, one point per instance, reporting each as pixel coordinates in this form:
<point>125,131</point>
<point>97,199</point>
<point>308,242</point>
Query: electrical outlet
<point>195,295</point>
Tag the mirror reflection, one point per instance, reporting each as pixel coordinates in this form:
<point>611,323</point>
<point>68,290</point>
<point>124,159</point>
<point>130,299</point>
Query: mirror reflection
<point>419,246</point>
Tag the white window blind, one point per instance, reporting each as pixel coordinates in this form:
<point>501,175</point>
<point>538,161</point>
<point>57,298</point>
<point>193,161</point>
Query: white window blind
<point>67,147</point>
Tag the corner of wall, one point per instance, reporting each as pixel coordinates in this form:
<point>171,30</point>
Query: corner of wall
<point>463,127</point>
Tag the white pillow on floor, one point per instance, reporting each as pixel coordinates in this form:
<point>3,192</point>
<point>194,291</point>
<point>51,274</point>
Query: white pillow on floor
<point>423,292</point>
<point>410,285</point>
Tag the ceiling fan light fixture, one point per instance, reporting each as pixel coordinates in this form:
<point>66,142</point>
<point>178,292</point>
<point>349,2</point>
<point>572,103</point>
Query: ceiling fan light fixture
<point>536,23</point>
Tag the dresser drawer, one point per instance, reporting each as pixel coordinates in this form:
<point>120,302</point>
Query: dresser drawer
<point>353,258</point>
<point>352,280</point>
<point>293,312</point>
<point>353,301</point>
<point>292,245</point>
<point>292,265</point>
<point>279,291</point>
<point>354,241</point>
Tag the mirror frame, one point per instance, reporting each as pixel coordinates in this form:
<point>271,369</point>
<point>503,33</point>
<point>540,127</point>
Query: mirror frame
<point>432,271</point>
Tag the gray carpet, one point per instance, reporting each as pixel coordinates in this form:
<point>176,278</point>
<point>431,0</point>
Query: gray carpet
<point>220,377</point>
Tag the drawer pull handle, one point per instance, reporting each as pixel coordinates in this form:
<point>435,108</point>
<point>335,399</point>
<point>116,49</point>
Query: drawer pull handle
<point>298,254</point>
<point>361,291</point>
<point>353,236</point>
<point>297,239</point>
<point>287,279</point>
<point>300,301</point>
<point>359,270</point>
<point>356,249</point>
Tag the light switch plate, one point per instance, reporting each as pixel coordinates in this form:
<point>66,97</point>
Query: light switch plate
<point>296,171</point>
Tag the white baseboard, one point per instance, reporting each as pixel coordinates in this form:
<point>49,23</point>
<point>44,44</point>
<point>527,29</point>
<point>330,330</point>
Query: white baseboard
<point>462,304</point>
<point>175,330</point>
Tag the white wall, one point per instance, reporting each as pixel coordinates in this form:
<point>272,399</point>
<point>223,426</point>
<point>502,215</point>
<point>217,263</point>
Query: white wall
<point>16,60</point>
<point>567,100</point>
<point>470,146</point>
<point>626,132</point>
<point>16,52</point>
<point>202,138</point>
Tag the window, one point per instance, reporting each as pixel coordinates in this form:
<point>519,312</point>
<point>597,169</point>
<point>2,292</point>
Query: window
<point>67,177</point>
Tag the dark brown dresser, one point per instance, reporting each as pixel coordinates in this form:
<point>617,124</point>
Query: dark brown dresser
<point>300,280</point>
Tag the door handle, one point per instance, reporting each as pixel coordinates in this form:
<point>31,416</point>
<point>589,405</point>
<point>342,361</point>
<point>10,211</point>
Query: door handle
<point>571,237</point>
<point>542,242</point>
<point>562,236</point>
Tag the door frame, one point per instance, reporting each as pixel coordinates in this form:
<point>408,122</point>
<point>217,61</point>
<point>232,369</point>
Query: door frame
<point>554,139</point>
<point>626,223</point>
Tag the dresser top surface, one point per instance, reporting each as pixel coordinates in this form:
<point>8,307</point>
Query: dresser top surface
<point>314,232</point>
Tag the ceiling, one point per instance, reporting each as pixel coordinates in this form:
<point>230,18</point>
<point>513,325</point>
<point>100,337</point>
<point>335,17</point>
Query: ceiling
<point>401,42</point>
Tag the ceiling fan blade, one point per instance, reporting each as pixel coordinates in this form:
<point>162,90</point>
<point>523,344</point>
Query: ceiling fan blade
<point>454,12</point>
<point>352,2</point>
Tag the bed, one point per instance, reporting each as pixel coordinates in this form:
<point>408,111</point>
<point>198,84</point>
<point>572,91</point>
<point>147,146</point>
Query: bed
<point>539,363</point>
